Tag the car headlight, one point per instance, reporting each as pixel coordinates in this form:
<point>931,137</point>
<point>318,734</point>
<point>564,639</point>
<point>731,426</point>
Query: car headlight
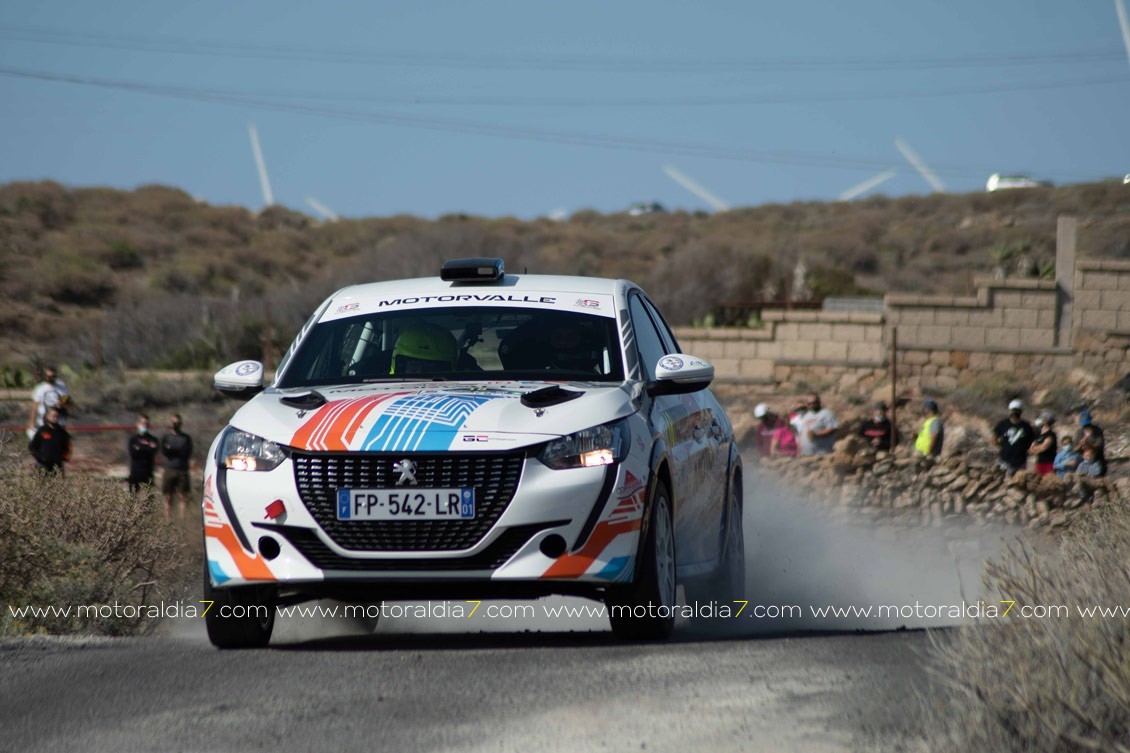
<point>241,451</point>
<point>600,445</point>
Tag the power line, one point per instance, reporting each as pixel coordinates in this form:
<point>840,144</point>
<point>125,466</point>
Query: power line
<point>463,126</point>
<point>620,102</point>
<point>542,61</point>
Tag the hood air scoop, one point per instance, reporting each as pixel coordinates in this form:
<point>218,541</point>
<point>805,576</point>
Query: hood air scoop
<point>304,401</point>
<point>548,396</point>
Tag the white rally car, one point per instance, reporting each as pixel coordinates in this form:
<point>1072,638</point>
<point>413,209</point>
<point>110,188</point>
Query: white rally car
<point>476,435</point>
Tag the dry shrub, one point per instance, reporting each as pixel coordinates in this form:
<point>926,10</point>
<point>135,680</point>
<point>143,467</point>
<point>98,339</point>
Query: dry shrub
<point>990,394</point>
<point>81,540</point>
<point>1059,683</point>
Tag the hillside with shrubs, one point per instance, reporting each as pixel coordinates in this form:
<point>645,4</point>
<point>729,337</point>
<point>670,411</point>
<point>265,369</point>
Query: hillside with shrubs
<point>152,277</point>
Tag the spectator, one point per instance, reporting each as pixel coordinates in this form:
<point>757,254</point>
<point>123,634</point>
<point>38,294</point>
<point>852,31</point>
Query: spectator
<point>50,393</point>
<point>933,432</point>
<point>1067,459</point>
<point>783,442</point>
<point>1013,436</point>
<point>50,445</point>
<point>176,446</point>
<point>1044,446</point>
<point>143,448</point>
<point>1091,465</point>
<point>1091,434</point>
<point>816,428</point>
<point>877,429</point>
<point>798,410</point>
<point>768,423</point>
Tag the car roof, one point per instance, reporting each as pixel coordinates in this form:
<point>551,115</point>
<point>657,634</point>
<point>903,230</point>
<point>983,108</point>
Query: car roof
<point>511,283</point>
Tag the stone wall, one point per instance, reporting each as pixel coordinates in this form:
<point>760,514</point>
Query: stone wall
<point>911,490</point>
<point>1046,327</point>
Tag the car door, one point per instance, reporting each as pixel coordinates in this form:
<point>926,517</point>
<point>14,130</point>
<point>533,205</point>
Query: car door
<point>711,473</point>
<point>684,423</point>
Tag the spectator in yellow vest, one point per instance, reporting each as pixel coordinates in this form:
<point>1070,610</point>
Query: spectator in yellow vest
<point>932,433</point>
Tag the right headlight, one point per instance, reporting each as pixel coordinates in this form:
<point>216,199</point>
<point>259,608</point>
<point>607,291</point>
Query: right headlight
<point>601,445</point>
<point>241,451</point>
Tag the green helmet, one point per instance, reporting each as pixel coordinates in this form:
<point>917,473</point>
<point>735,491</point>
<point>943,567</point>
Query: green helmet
<point>425,342</point>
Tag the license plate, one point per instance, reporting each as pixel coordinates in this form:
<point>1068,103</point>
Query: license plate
<point>405,504</point>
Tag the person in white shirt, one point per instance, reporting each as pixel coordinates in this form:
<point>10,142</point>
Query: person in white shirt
<point>816,429</point>
<point>50,393</point>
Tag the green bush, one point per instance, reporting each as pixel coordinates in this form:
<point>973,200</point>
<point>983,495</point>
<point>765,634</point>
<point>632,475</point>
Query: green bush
<point>81,540</point>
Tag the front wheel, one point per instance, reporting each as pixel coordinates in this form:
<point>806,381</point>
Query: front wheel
<point>240,617</point>
<point>645,610</point>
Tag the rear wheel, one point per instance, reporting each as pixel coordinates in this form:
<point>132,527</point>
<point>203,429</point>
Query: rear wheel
<point>240,617</point>
<point>645,610</point>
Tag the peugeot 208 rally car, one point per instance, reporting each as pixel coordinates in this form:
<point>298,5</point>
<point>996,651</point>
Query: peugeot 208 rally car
<point>476,435</point>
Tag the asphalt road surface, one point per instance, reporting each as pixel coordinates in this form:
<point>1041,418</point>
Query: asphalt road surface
<point>433,684</point>
<point>472,692</point>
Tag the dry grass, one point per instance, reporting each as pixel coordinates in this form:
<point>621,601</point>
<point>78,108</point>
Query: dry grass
<point>1045,684</point>
<point>81,540</point>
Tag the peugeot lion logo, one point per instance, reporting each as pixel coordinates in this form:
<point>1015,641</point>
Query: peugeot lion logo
<point>407,470</point>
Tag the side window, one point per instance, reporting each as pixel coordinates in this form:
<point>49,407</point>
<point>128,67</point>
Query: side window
<point>669,341</point>
<point>648,341</point>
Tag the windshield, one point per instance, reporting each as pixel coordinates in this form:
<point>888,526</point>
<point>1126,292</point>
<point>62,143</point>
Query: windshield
<point>458,344</point>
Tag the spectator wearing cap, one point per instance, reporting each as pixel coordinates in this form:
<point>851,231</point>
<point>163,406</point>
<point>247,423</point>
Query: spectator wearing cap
<point>1090,434</point>
<point>877,429</point>
<point>767,424</point>
<point>1014,436</point>
<point>1044,448</point>
<point>933,432</point>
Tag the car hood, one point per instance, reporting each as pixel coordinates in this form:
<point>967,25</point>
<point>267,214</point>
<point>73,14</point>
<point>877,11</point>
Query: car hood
<point>431,417</point>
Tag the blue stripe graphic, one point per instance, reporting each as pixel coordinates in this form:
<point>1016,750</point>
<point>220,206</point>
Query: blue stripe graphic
<point>421,422</point>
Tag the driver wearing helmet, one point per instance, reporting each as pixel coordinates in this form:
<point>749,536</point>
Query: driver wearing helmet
<point>424,349</point>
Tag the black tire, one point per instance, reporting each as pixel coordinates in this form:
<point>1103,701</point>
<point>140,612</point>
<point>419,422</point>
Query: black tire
<point>727,582</point>
<point>254,610</point>
<point>645,610</point>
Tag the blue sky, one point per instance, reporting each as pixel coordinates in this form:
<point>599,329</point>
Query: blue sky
<point>523,108</point>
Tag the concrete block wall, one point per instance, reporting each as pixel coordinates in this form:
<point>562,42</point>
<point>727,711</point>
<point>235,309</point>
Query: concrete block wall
<point>1013,326</point>
<point>1004,316</point>
<point>845,340</point>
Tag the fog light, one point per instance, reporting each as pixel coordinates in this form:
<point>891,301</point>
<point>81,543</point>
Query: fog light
<point>552,546</point>
<point>269,548</point>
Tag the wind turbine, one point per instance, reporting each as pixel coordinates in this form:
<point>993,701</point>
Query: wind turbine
<point>916,161</point>
<point>1123,22</point>
<point>328,214</point>
<point>718,204</point>
<point>867,185</point>
<point>264,181</point>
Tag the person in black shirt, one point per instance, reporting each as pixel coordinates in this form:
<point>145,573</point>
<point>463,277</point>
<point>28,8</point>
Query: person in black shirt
<point>1014,436</point>
<point>176,446</point>
<point>877,429</point>
<point>1044,447</point>
<point>143,448</point>
<point>50,445</point>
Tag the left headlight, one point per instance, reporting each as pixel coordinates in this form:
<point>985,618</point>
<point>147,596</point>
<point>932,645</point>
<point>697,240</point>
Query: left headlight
<point>600,445</point>
<point>241,451</point>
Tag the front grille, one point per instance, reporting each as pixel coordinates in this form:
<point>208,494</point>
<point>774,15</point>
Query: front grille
<point>496,554</point>
<point>494,476</point>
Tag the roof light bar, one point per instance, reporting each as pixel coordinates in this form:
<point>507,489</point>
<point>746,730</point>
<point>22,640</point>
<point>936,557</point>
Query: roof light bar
<point>476,269</point>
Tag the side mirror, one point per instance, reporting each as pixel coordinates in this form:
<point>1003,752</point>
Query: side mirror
<point>241,380</point>
<point>679,374</point>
